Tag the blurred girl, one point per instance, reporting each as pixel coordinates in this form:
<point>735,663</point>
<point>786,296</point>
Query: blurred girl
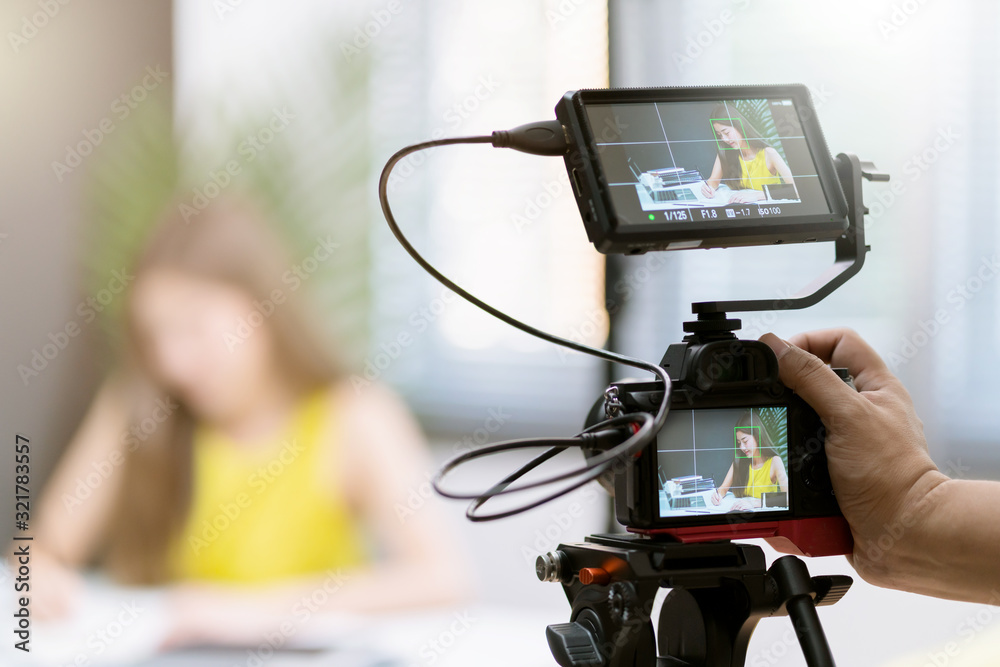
<point>244,471</point>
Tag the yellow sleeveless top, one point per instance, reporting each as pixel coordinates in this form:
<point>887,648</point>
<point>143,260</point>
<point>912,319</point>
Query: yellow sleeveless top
<point>759,481</point>
<point>261,512</point>
<point>754,174</point>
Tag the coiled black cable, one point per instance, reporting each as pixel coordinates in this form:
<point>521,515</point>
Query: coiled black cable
<point>544,138</point>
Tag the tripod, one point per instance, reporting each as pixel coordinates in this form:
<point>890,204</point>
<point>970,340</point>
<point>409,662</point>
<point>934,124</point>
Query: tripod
<point>720,591</point>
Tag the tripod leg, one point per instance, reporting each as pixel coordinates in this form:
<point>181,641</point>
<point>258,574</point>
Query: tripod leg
<point>796,587</point>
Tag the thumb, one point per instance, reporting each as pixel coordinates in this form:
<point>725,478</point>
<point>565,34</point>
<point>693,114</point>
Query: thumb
<point>809,377</point>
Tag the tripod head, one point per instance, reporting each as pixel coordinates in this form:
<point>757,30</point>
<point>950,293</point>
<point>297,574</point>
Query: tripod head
<point>719,593</point>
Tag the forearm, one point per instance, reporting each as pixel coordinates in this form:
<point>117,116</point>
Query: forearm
<point>945,543</point>
<point>230,614</point>
<point>390,587</point>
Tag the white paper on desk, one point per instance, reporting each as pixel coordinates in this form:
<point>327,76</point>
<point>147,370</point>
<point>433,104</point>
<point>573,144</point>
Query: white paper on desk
<point>109,625</point>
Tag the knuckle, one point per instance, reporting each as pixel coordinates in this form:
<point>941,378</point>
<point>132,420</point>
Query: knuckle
<point>809,368</point>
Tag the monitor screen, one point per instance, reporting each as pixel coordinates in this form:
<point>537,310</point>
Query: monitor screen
<point>706,162</point>
<point>716,461</point>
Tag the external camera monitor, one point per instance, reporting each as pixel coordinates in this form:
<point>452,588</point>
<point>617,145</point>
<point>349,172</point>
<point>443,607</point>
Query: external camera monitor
<point>679,168</point>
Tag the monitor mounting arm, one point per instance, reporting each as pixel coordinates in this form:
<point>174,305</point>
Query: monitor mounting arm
<point>849,249</point>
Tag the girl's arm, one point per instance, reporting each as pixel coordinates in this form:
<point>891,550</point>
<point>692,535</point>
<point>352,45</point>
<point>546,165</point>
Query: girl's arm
<point>389,470</point>
<point>708,189</point>
<point>724,489</point>
<point>776,165</point>
<point>77,501</point>
<point>778,474</point>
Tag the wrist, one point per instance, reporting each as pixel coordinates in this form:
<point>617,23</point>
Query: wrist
<point>901,551</point>
<point>184,606</point>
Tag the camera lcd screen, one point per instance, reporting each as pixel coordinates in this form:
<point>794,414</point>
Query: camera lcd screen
<point>716,461</point>
<point>706,161</point>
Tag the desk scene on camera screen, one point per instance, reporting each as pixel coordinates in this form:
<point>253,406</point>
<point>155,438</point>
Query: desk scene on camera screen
<point>706,161</point>
<point>723,460</point>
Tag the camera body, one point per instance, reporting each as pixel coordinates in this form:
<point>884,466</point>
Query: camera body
<point>740,455</point>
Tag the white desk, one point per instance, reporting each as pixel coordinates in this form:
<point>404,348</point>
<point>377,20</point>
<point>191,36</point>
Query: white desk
<point>477,634</point>
<point>720,198</point>
<point>724,506</point>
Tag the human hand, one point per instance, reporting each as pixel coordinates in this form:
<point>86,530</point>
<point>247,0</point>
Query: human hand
<point>56,589</point>
<point>743,505</point>
<point>875,445</point>
<point>213,615</point>
<point>745,197</point>
<point>715,497</point>
<point>707,190</point>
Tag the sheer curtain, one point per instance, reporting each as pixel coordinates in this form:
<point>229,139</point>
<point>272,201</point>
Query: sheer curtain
<point>500,224</point>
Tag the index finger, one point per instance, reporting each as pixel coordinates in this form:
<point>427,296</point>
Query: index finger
<point>844,348</point>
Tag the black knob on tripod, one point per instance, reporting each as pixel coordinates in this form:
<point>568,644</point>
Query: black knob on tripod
<point>573,645</point>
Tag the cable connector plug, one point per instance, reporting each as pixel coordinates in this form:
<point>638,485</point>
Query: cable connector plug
<point>604,439</point>
<point>541,138</point>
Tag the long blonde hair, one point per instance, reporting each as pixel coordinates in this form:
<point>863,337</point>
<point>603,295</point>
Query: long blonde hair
<point>227,241</point>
